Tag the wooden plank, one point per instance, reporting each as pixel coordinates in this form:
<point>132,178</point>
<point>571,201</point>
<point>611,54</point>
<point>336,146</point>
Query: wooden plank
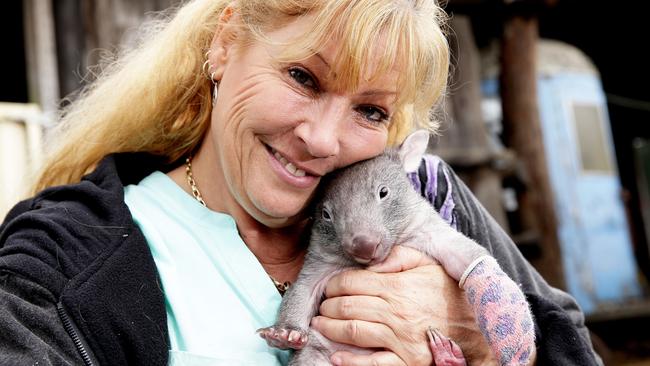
<point>89,30</point>
<point>20,151</point>
<point>71,50</point>
<point>110,24</point>
<point>464,143</point>
<point>522,132</point>
<point>467,130</point>
<point>42,69</point>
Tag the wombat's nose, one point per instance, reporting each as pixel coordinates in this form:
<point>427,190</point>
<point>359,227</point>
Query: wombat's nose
<point>363,247</point>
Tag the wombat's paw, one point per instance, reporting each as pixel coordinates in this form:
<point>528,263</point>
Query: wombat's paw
<point>445,351</point>
<point>284,338</point>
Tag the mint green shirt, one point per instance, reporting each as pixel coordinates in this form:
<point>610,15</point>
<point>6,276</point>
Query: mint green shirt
<point>217,293</point>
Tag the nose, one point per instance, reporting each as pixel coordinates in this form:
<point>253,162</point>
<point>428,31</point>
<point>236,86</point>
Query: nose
<point>362,247</point>
<point>321,131</point>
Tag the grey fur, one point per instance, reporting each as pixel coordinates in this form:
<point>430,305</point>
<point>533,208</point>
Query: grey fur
<point>352,202</point>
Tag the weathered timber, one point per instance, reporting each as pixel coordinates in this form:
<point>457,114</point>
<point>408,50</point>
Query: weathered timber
<point>464,143</point>
<point>522,132</point>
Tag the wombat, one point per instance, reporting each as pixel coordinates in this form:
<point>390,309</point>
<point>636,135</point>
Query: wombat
<point>365,210</point>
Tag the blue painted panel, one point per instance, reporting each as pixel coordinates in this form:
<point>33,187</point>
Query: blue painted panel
<point>596,248</point>
<point>560,154</point>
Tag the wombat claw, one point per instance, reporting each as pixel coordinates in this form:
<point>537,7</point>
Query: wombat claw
<point>284,338</point>
<point>445,351</point>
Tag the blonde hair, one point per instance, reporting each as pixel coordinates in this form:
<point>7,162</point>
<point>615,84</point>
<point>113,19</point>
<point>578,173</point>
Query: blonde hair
<point>155,97</point>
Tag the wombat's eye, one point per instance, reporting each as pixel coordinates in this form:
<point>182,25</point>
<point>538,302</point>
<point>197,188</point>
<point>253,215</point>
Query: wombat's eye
<point>383,192</point>
<point>326,215</point>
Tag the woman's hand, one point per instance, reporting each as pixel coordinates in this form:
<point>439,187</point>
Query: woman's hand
<point>390,306</point>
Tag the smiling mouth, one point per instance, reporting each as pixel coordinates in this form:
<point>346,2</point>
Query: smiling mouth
<point>288,166</point>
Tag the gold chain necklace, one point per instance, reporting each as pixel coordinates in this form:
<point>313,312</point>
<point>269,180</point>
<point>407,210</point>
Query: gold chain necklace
<point>281,286</point>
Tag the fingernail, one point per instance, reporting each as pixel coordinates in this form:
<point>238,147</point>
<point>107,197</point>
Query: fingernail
<point>336,360</point>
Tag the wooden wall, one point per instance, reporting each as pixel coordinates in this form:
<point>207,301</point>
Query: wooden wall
<point>87,29</point>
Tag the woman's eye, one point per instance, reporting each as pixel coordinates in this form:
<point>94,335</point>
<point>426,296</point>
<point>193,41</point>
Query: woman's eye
<point>302,77</point>
<point>372,113</point>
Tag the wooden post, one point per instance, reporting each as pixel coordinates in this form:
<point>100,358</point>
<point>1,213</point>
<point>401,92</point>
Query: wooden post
<point>464,143</point>
<point>466,137</point>
<point>522,132</point>
<point>72,58</point>
<point>42,75</point>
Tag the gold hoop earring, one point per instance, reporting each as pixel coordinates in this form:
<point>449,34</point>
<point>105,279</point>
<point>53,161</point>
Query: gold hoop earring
<point>207,66</point>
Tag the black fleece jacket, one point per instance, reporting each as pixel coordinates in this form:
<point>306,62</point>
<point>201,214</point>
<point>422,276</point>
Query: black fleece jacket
<point>79,286</point>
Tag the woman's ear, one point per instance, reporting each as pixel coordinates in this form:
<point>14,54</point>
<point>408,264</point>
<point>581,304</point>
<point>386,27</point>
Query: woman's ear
<point>222,41</point>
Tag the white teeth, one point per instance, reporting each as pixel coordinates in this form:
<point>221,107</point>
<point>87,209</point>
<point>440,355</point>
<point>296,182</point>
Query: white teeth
<point>288,166</point>
<point>280,158</point>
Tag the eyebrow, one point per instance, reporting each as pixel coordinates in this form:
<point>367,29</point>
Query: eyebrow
<point>374,92</point>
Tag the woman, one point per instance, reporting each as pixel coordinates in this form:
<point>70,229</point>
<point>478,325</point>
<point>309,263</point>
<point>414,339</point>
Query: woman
<point>202,149</point>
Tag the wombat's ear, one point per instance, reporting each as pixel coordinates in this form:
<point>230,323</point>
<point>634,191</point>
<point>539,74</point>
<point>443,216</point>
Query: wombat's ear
<point>412,150</point>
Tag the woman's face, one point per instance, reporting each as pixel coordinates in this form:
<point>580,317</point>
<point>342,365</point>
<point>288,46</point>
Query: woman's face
<point>278,128</point>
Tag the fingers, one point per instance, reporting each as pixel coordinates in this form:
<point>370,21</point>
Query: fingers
<point>401,259</point>
<point>379,279</point>
<point>382,358</point>
<point>357,282</point>
<point>367,308</point>
<point>355,332</point>
<point>369,283</point>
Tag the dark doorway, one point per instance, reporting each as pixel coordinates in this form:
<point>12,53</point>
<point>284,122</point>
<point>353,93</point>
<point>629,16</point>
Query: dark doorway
<point>13,87</point>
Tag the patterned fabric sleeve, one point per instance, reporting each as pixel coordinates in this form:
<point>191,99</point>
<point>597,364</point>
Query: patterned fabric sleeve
<point>562,338</point>
<point>429,180</point>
